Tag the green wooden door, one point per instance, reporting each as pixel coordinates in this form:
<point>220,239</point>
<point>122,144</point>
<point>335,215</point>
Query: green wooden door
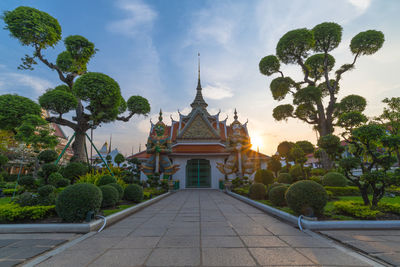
<point>198,173</point>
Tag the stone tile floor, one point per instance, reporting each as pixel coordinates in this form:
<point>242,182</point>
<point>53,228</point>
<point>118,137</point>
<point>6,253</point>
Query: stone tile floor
<point>381,244</point>
<point>17,248</point>
<point>201,228</point>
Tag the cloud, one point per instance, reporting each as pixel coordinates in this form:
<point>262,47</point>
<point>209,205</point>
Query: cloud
<point>361,5</point>
<point>139,18</point>
<point>11,81</point>
<point>218,91</point>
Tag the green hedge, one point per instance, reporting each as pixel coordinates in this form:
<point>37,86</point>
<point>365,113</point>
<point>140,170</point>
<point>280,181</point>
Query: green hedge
<point>10,192</point>
<point>355,209</point>
<point>14,212</point>
<point>339,191</point>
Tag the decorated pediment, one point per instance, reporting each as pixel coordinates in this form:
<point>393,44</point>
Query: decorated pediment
<point>198,127</point>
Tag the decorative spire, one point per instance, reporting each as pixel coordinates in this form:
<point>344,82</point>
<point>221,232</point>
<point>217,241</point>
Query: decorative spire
<point>236,116</point>
<point>160,116</point>
<point>199,100</point>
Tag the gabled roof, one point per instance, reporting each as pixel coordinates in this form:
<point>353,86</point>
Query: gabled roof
<point>198,127</point>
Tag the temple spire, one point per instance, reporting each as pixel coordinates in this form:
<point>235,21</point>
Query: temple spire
<point>199,100</point>
<point>235,116</point>
<point>160,116</point>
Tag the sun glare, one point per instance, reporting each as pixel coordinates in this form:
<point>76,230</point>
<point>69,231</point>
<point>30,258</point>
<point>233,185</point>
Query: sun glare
<point>256,142</point>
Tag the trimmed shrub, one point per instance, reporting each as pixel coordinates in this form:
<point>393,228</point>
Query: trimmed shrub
<point>48,156</point>
<point>13,212</point>
<point>47,195</point>
<point>296,172</point>
<point>27,181</point>
<point>10,177</point>
<point>355,209</point>
<point>73,170</point>
<point>272,186</point>
<point>277,195</point>
<point>110,196</point>
<point>306,197</point>
<point>265,177</point>
<point>343,191</point>
<point>54,178</point>
<point>317,172</point>
<point>285,178</point>
<point>48,169</point>
<point>317,179</point>
<point>119,188</point>
<point>62,183</point>
<point>133,192</point>
<point>257,191</point>
<point>334,179</point>
<point>106,179</point>
<point>27,199</point>
<point>75,201</point>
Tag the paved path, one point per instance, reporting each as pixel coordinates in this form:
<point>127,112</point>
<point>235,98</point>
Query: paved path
<point>17,248</point>
<point>201,228</point>
<point>382,244</point>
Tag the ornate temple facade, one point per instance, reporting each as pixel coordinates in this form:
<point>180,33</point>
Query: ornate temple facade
<point>200,149</point>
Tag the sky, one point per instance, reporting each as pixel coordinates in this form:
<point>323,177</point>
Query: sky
<point>150,48</point>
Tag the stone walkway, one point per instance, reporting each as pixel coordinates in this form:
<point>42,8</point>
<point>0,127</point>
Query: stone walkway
<point>17,248</point>
<point>381,244</point>
<point>201,228</point>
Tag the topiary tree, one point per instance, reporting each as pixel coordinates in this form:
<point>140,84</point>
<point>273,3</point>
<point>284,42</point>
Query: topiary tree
<point>110,196</point>
<point>257,191</point>
<point>274,164</point>
<point>73,170</point>
<point>75,201</point>
<point>264,177</point>
<point>48,156</point>
<point>307,197</point>
<point>119,188</point>
<point>47,170</point>
<point>334,179</point>
<point>119,158</point>
<point>54,178</point>
<point>310,49</point>
<point>27,181</point>
<point>285,178</point>
<point>296,171</point>
<point>95,97</point>
<point>331,145</point>
<point>277,195</point>
<point>106,179</point>
<point>284,151</point>
<point>133,192</point>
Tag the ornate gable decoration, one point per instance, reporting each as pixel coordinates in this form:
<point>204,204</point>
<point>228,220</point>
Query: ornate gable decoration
<point>198,128</point>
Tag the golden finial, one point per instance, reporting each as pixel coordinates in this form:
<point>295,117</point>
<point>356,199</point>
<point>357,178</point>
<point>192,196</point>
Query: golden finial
<point>160,117</point>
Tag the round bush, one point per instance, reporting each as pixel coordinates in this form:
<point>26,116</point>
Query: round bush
<point>265,177</point>
<point>277,195</point>
<point>272,186</point>
<point>133,192</point>
<point>46,190</point>
<point>257,191</point>
<point>285,178</point>
<point>73,170</point>
<point>106,179</point>
<point>317,179</point>
<point>54,178</point>
<point>306,197</point>
<point>48,169</point>
<point>334,179</point>
<point>110,196</point>
<point>62,183</point>
<point>119,188</point>
<point>48,156</point>
<point>27,181</point>
<point>296,172</point>
<point>75,201</point>
<point>27,199</point>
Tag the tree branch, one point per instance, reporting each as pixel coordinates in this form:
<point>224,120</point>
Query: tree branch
<point>62,121</point>
<point>306,71</point>
<point>125,119</point>
<point>38,53</point>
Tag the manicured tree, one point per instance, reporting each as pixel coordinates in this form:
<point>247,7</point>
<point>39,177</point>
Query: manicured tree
<point>119,158</point>
<point>3,161</point>
<point>390,118</point>
<point>372,148</point>
<point>284,151</point>
<point>315,96</point>
<point>274,164</point>
<point>95,97</point>
<point>108,159</point>
<point>47,156</point>
<point>331,145</point>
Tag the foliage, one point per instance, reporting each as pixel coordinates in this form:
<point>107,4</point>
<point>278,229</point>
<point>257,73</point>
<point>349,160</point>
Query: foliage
<point>107,212</point>
<point>307,198</point>
<point>355,209</point>
<point>14,212</point>
<point>27,199</point>
<point>244,191</point>
<point>58,101</point>
<point>48,156</point>
<point>47,195</point>
<point>331,145</point>
<point>54,178</point>
<point>277,195</point>
<point>296,171</point>
<point>310,49</point>
<point>285,178</point>
<point>334,179</point>
<point>317,171</point>
<point>133,192</point>
<point>343,191</point>
<point>317,179</point>
<point>257,191</point>
<point>284,150</point>
<point>274,164</point>
<point>47,170</point>
<point>27,181</point>
<point>119,158</point>
<point>75,201</point>
<point>63,183</point>
<point>110,196</point>
<point>73,170</point>
<point>106,179</point>
<point>264,176</point>
<point>3,160</point>
<point>119,188</point>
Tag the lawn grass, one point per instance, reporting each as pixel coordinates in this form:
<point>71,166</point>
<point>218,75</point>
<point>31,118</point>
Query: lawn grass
<point>5,200</point>
<point>120,207</point>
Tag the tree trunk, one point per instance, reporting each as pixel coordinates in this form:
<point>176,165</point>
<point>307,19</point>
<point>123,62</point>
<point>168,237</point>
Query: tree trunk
<point>324,129</point>
<point>398,156</point>
<point>364,194</point>
<point>78,146</point>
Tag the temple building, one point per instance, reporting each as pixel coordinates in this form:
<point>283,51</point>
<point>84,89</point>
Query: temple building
<point>200,149</point>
